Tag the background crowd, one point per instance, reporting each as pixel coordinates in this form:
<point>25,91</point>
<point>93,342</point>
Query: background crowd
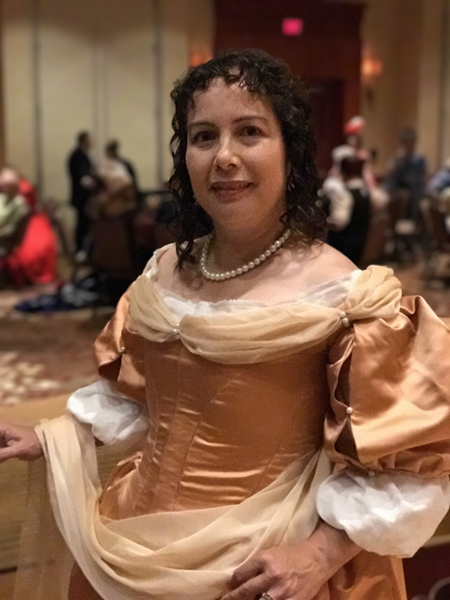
<point>401,217</point>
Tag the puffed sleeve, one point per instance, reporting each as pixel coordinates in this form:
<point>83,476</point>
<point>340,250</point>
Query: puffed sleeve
<point>119,352</point>
<point>389,383</point>
<point>389,430</point>
<point>115,406</point>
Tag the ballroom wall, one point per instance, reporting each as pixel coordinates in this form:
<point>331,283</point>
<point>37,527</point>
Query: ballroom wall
<point>103,65</point>
<point>109,65</point>
<point>412,40</point>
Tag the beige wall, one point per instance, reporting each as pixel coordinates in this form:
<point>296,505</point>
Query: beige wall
<point>431,85</point>
<point>391,33</point>
<point>414,88</point>
<point>103,65</point>
<point>108,66</point>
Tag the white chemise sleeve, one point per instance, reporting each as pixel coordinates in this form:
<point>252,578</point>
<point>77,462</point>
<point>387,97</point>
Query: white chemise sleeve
<point>115,419</point>
<point>385,513</point>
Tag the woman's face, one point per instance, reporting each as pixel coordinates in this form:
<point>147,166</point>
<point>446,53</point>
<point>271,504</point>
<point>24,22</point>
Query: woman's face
<point>236,157</point>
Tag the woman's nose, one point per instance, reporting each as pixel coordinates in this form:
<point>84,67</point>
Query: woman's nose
<point>226,155</point>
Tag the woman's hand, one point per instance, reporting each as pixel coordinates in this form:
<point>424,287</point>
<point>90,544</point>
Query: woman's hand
<point>297,572</point>
<point>285,573</point>
<point>19,442</point>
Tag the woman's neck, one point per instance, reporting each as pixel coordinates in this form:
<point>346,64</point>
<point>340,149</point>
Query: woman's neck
<point>231,249</point>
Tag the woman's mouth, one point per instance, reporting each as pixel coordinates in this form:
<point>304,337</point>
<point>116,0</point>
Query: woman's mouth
<point>229,189</point>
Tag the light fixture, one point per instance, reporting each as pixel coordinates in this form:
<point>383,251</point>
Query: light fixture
<point>371,69</point>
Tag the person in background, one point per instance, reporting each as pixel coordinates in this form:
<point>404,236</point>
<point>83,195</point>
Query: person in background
<point>28,191</point>
<point>350,211</point>
<point>31,252</point>
<point>439,188</point>
<point>13,206</point>
<point>116,193</point>
<point>112,152</point>
<point>353,146</point>
<point>407,175</point>
<point>82,182</point>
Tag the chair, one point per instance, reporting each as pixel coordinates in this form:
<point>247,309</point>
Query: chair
<point>440,590</point>
<point>438,238</point>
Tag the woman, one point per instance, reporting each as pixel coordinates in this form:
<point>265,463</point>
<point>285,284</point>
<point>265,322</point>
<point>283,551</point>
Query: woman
<point>241,345</point>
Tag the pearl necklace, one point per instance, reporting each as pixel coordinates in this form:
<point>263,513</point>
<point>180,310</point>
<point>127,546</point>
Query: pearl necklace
<point>246,267</point>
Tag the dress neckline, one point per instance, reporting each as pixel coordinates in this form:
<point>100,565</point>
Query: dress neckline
<point>152,269</point>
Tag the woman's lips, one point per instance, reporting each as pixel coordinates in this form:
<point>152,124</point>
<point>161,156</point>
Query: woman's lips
<point>230,189</point>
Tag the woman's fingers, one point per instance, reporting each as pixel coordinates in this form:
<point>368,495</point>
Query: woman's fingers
<point>8,453</point>
<point>18,442</point>
<point>250,589</point>
<point>251,568</point>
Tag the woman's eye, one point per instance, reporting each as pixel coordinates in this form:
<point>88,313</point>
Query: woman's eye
<point>251,131</point>
<point>202,137</point>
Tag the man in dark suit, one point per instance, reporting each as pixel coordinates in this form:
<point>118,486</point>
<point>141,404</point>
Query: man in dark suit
<point>79,166</point>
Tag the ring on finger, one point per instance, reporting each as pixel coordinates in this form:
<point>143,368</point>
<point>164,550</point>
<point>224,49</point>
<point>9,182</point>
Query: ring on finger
<point>266,596</point>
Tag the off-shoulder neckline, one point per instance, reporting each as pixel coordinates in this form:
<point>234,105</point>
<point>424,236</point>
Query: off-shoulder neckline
<point>151,271</point>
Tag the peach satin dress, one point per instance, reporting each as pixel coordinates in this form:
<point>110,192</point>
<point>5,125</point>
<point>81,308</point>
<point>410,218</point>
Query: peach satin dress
<point>229,414</point>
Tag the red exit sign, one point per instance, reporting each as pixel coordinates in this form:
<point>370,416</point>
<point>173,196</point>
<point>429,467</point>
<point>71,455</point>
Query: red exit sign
<point>292,26</point>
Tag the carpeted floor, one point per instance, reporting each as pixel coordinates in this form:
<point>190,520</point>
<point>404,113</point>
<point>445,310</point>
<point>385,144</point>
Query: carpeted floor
<point>46,355</point>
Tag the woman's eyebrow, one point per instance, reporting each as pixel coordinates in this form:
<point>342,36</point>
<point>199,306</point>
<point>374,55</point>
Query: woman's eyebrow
<point>251,118</point>
<point>237,120</point>
<point>200,124</point>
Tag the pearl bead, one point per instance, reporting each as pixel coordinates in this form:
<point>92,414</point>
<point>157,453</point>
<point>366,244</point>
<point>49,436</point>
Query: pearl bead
<point>245,268</point>
<point>233,273</point>
<point>262,257</point>
<point>251,265</point>
<point>267,253</point>
<point>239,271</point>
<point>273,248</point>
<point>257,261</point>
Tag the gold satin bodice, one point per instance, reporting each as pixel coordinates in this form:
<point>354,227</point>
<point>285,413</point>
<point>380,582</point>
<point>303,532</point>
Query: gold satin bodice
<point>218,433</point>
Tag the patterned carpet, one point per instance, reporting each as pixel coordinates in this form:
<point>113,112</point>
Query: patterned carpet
<point>45,355</point>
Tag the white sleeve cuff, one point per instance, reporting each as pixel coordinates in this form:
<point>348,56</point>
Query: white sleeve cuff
<point>389,514</point>
<point>115,418</point>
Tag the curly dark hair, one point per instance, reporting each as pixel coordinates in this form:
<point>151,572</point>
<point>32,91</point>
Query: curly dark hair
<point>271,79</point>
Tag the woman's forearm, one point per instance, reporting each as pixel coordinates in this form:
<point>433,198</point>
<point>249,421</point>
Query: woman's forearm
<point>333,546</point>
